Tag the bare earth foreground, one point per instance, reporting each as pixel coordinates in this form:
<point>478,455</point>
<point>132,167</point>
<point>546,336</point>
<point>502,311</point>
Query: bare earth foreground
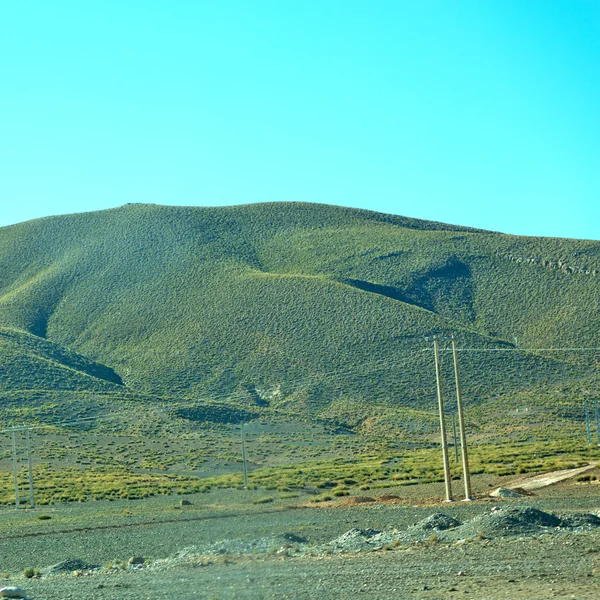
<point>224,546</point>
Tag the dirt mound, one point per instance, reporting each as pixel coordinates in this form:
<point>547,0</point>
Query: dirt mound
<point>253,545</point>
<point>505,493</point>
<point>354,500</point>
<point>437,522</point>
<point>70,565</point>
<point>580,521</point>
<point>293,538</point>
<point>508,522</point>
<point>388,498</point>
<point>357,540</point>
<point>515,492</point>
<point>522,491</point>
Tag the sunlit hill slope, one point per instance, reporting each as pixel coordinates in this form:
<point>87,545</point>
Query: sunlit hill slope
<point>310,308</point>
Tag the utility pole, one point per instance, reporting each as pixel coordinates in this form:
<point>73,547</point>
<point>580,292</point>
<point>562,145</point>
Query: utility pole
<point>597,421</point>
<point>447,479</point>
<point>587,423</point>
<point>244,456</point>
<point>455,439</point>
<point>461,426</point>
<point>13,432</point>
<point>14,457</point>
<point>29,469</point>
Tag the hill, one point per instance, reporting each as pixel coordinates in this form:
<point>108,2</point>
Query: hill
<point>310,309</point>
<point>30,361</point>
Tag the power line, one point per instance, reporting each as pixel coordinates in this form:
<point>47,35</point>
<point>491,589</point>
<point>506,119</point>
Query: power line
<point>523,350</point>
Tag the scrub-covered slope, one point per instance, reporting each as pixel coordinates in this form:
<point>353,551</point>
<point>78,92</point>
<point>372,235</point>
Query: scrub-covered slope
<point>30,363</point>
<point>297,304</point>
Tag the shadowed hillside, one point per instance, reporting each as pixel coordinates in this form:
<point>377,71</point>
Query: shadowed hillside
<point>291,305</point>
<point>30,363</point>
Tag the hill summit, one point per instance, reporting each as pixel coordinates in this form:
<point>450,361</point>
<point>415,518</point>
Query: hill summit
<point>308,307</point>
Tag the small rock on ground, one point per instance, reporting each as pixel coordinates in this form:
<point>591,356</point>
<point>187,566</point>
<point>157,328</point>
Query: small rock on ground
<point>12,592</point>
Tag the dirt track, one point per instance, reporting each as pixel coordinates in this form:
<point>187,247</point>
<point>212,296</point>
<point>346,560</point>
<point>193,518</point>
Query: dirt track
<point>545,479</point>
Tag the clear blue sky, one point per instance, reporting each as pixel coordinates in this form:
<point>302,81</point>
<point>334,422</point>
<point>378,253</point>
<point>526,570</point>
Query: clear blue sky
<point>482,113</point>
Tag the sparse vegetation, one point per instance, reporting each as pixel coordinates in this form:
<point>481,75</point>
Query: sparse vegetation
<point>265,500</point>
<point>308,321</point>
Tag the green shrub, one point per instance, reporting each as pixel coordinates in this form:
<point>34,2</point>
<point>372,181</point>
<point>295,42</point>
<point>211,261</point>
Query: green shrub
<point>264,500</point>
<point>29,573</point>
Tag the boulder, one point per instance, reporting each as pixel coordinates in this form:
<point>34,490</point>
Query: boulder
<point>12,592</point>
<point>502,492</point>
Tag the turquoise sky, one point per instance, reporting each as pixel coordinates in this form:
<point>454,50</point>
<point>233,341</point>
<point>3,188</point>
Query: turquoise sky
<point>483,113</point>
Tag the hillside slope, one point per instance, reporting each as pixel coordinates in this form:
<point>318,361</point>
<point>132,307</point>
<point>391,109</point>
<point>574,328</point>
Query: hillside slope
<point>294,304</point>
<point>31,363</point>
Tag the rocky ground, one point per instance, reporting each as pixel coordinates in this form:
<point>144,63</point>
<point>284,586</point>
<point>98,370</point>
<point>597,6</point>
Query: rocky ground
<point>225,547</point>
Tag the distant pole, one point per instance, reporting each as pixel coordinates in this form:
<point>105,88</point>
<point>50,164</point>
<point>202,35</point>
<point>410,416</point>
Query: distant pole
<point>14,457</point>
<point>461,426</point>
<point>447,481</point>
<point>244,456</point>
<point>587,423</point>
<point>597,421</point>
<point>29,469</point>
<point>455,439</point>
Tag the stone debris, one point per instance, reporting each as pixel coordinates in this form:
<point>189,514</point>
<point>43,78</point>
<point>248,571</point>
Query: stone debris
<point>580,521</point>
<point>356,540</point>
<point>439,527</point>
<point>272,544</point>
<point>497,522</point>
<point>502,492</point>
<point>501,522</point>
<point>186,553</point>
<point>70,565</point>
<point>437,522</point>
<point>293,538</point>
<point>12,592</point>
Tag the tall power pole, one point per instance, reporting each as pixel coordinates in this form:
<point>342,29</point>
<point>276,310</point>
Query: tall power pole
<point>597,421</point>
<point>13,431</point>
<point>461,426</point>
<point>29,469</point>
<point>14,457</point>
<point>244,456</point>
<point>455,439</point>
<point>447,480</point>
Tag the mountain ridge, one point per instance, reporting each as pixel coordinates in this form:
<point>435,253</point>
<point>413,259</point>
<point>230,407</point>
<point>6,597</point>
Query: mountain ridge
<point>189,301</point>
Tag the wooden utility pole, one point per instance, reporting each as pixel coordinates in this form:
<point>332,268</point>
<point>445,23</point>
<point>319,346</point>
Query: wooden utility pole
<point>29,469</point>
<point>461,426</point>
<point>14,457</point>
<point>597,421</point>
<point>15,461</point>
<point>455,439</point>
<point>244,456</point>
<point>447,480</point>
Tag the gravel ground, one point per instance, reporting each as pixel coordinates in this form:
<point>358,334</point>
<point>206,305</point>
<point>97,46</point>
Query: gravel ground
<point>520,554</point>
<point>512,568</point>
